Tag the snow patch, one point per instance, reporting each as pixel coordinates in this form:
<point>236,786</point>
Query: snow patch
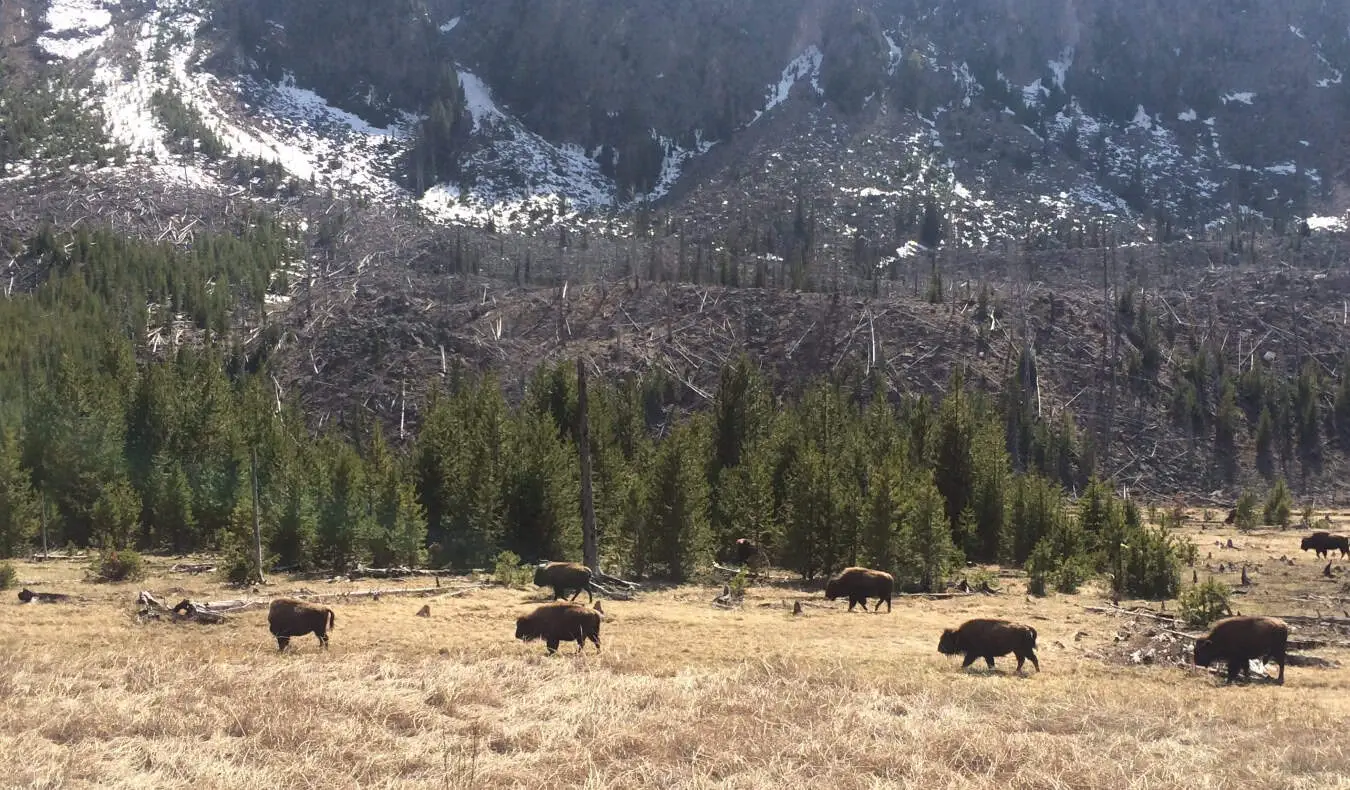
<point>1188,115</point>
<point>1244,97</point>
<point>478,100</point>
<point>1327,223</point>
<point>451,25</point>
<point>76,27</point>
<point>804,65</point>
<point>1060,68</point>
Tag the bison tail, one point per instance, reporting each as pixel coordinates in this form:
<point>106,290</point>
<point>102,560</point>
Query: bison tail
<point>332,618</point>
<point>1033,635</point>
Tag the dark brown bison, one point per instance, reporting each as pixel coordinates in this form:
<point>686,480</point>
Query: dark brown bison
<point>288,617</point>
<point>1232,516</point>
<point>564,576</point>
<point>987,638</point>
<point>1323,542</point>
<point>1237,640</point>
<point>859,584</point>
<point>746,551</point>
<point>560,621</point>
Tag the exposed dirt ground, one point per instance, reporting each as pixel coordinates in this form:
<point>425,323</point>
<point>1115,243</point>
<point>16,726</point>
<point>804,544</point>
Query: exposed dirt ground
<point>682,694</point>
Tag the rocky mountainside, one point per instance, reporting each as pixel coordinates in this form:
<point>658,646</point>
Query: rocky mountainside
<point>506,183</point>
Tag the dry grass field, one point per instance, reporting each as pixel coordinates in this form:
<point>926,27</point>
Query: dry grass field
<point>682,695</point>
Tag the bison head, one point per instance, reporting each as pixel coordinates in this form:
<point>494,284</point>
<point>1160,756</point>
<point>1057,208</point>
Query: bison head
<point>832,590</point>
<point>1305,544</point>
<point>540,577</point>
<point>1204,652</point>
<point>949,642</point>
<point>524,631</point>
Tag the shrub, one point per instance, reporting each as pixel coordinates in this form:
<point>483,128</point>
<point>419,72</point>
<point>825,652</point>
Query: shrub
<point>1279,505</point>
<point>112,565</point>
<point>1246,511</point>
<point>1203,603</point>
<point>8,576</point>
<point>1071,574</point>
<point>1040,567</point>
<point>508,572</point>
<point>739,583</point>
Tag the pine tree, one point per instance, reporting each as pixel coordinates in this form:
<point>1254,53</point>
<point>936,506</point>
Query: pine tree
<point>19,507</point>
<point>344,525</point>
<point>676,538</point>
<point>930,534</point>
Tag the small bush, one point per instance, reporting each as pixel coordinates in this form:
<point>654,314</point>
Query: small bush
<point>1040,567</point>
<point>1279,505</point>
<point>1246,511</point>
<point>112,565</point>
<point>1203,603</point>
<point>739,583</point>
<point>1071,574</point>
<point>508,572</point>
<point>8,576</point>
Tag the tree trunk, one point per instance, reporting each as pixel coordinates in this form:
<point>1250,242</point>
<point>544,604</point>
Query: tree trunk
<point>590,543</point>
<point>257,526</point>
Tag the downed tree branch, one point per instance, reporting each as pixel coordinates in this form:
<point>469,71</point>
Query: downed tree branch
<point>192,567</point>
<point>28,596</point>
<point>184,611</point>
<point>1167,618</point>
<point>615,581</point>
<point>59,555</point>
<point>398,572</point>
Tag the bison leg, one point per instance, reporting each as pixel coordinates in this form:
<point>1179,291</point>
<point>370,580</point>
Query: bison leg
<point>323,639</point>
<point>990,661</point>
<point>888,605</point>
<point>581,644</point>
<point>552,646</point>
<point>1235,667</point>
<point>877,608</point>
<point>1031,655</point>
<point>558,593</point>
<point>575,594</point>
<point>589,597</point>
<point>852,602</point>
<point>596,639</point>
<point>970,659</point>
<point>282,641</point>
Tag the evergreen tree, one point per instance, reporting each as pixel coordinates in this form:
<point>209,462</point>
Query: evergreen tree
<point>19,507</point>
<point>675,542</point>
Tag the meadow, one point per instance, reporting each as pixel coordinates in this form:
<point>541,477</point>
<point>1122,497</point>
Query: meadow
<point>682,695</point>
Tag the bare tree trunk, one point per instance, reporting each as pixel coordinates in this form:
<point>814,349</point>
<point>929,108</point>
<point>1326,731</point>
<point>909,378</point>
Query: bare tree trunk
<point>257,525</point>
<point>590,544</point>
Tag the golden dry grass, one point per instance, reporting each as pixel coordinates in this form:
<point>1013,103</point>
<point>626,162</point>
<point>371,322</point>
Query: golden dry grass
<point>682,696</point>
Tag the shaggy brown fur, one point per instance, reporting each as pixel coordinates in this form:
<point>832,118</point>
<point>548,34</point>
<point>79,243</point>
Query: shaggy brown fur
<point>560,621</point>
<point>288,617</point>
<point>745,551</point>
<point>987,638</point>
<point>1237,640</point>
<point>564,576</point>
<point>859,584</point>
<point>1323,542</point>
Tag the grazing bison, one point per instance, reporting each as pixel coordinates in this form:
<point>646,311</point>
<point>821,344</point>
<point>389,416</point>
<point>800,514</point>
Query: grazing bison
<point>1323,542</point>
<point>746,551</point>
<point>1237,640</point>
<point>1232,517</point>
<point>988,638</point>
<point>288,617</point>
<point>859,584</point>
<point>559,621</point>
<point>564,576</point>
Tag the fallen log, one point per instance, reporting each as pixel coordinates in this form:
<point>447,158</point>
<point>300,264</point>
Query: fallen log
<point>618,595</point>
<point>28,596</point>
<point>185,611</point>
<point>615,581</point>
<point>192,567</point>
<point>1130,613</point>
<point>59,555</point>
<point>397,572</point>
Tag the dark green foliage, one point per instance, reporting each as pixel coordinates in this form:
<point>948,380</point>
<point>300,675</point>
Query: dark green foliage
<point>19,506</point>
<point>8,576</point>
<point>1278,505</point>
<point>1246,511</point>
<point>117,565</point>
<point>1202,604</point>
<point>187,132</point>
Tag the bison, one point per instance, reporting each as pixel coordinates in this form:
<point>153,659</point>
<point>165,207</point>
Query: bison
<point>859,584</point>
<point>1323,542</point>
<point>564,576</point>
<point>559,621</point>
<point>1237,640</point>
<point>746,551</point>
<point>988,638</point>
<point>288,617</point>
